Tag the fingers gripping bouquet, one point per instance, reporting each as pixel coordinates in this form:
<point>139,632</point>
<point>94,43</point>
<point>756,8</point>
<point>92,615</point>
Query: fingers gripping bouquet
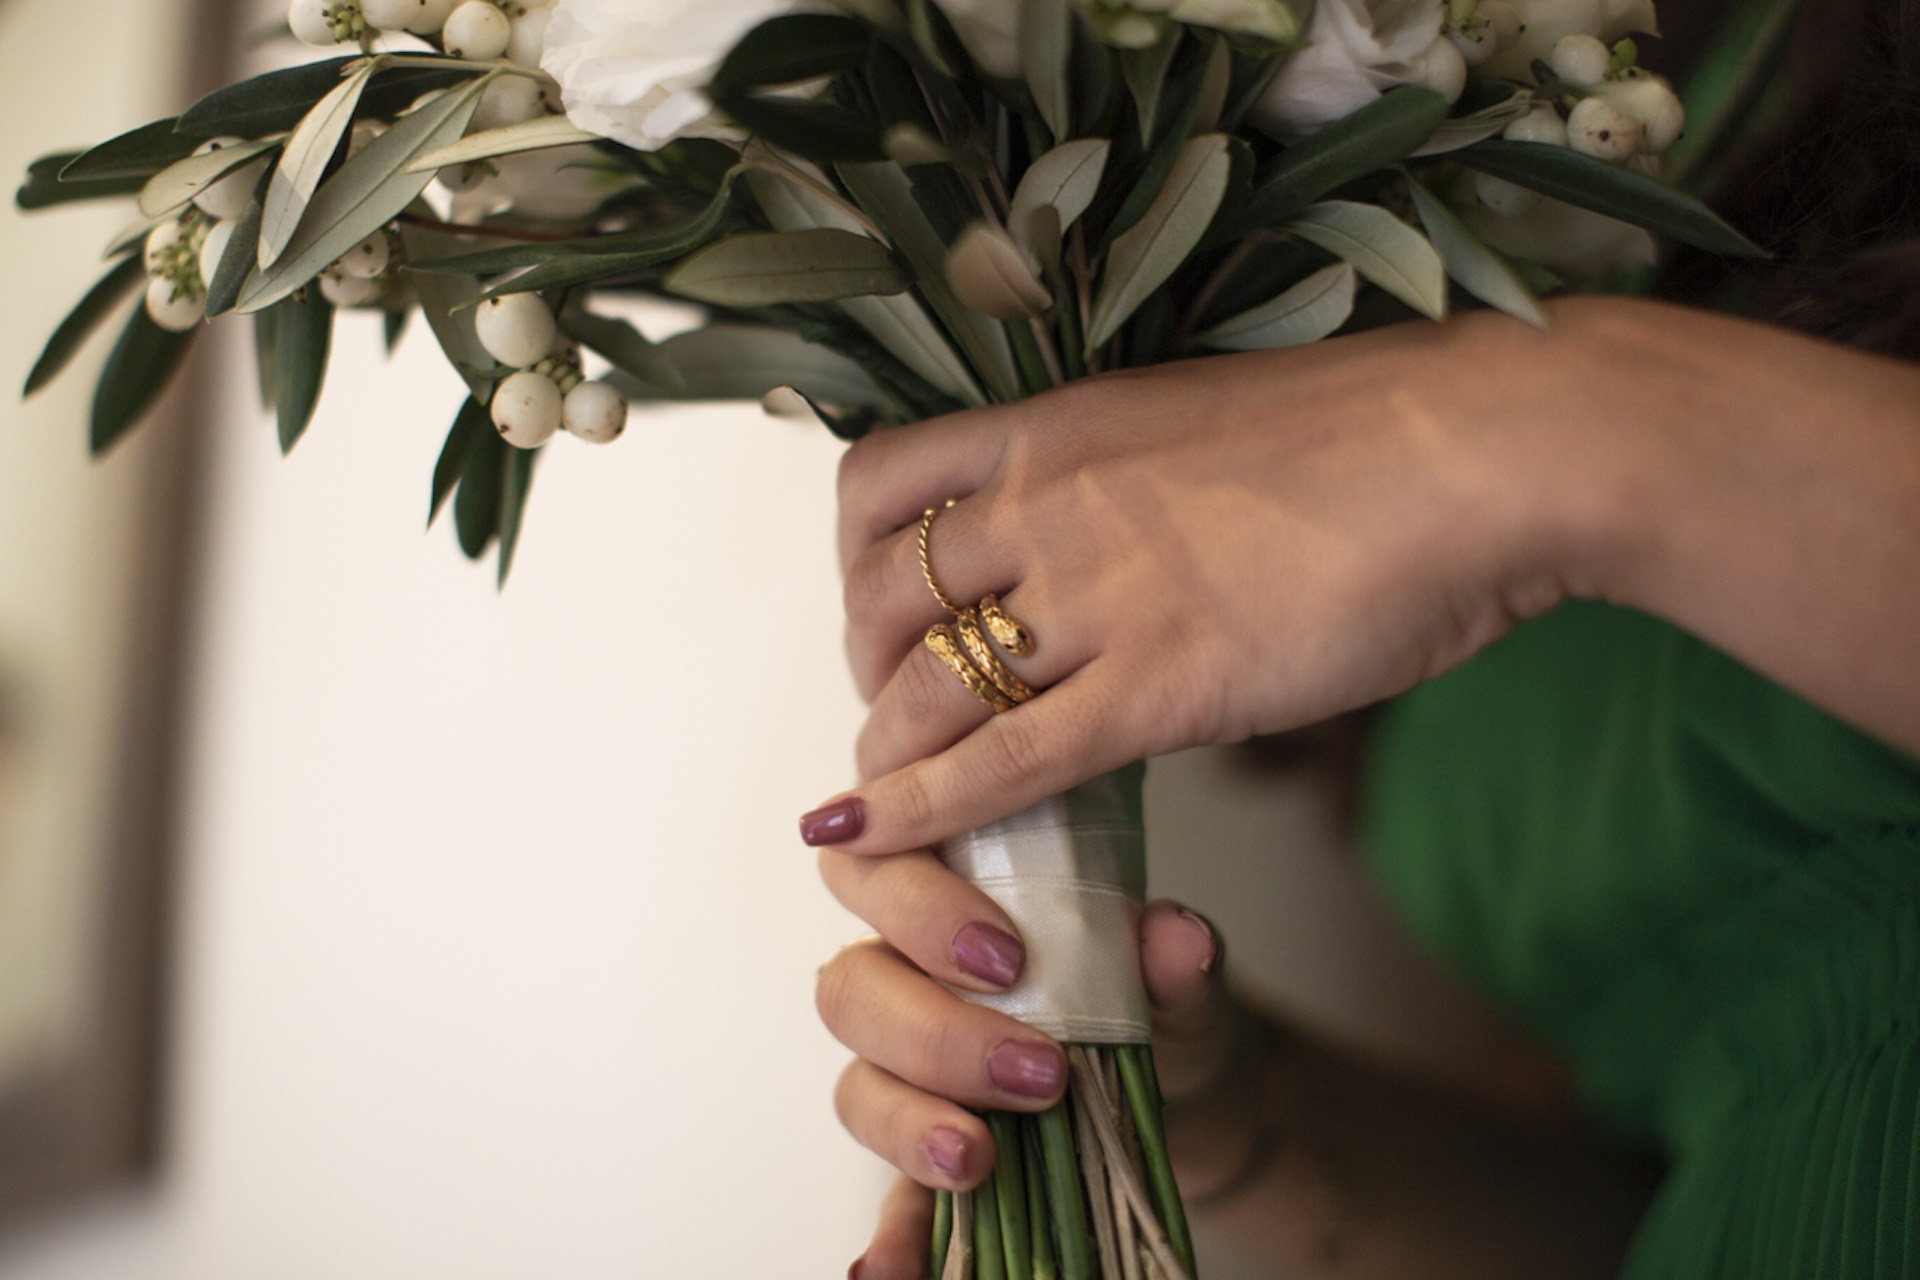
<point>888,210</point>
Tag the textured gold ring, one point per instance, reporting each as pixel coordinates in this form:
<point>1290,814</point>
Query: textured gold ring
<point>974,637</point>
<point>946,645</point>
<point>926,562</point>
<point>1005,628</point>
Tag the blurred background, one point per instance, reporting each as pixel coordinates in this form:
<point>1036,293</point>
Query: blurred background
<point>359,919</point>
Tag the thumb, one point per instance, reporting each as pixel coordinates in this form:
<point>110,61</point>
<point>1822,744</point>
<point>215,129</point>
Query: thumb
<point>1193,1017</point>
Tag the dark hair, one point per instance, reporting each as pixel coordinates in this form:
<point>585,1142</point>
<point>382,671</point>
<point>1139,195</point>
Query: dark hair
<point>1834,190</point>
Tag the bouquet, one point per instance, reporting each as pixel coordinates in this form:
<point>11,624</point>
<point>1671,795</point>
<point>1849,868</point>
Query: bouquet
<point>882,211</point>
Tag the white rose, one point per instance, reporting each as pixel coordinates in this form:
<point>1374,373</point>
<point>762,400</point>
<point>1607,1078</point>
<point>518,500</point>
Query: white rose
<point>636,70</point>
<point>991,31</point>
<point>1355,51</point>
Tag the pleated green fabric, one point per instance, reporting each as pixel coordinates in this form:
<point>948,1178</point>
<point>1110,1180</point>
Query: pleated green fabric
<point>1705,893</point>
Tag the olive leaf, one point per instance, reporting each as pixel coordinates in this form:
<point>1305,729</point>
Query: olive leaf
<point>537,134</point>
<point>1307,312</point>
<point>624,347</point>
<point>987,272</point>
<point>88,315</point>
<point>745,362</point>
<point>142,362</point>
<point>235,264</point>
<point>302,340</point>
<point>1381,247</point>
<point>1463,131</point>
<point>513,506</point>
<point>791,48</point>
<point>446,300</point>
<point>43,187</point>
<point>1142,259</point>
<point>182,180</point>
<point>769,268</point>
<point>1477,269</point>
<point>137,153</point>
<point>277,101</point>
<point>1145,71</point>
<point>470,425</point>
<point>1046,48</point>
<point>309,150</point>
<point>476,504</point>
<point>1067,178</point>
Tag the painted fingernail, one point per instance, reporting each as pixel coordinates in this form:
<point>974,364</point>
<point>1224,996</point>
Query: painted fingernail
<point>1209,940</point>
<point>831,824</point>
<point>989,954</point>
<point>946,1150</point>
<point>1028,1069</point>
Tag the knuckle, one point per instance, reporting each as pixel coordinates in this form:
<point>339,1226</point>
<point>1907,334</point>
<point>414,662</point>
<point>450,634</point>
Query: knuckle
<point>911,801</point>
<point>1013,751</point>
<point>834,986</point>
<point>867,587</point>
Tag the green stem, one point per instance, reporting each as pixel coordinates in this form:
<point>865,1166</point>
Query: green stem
<point>1045,1267</point>
<point>942,1229</point>
<point>1143,1099</point>
<point>989,1252</point>
<point>1069,1210</point>
<point>1010,1191</point>
<point>1026,354</point>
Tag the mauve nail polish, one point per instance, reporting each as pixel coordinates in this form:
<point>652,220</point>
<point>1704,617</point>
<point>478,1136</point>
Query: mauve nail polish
<point>834,823</point>
<point>989,954</point>
<point>946,1150</point>
<point>1030,1070</point>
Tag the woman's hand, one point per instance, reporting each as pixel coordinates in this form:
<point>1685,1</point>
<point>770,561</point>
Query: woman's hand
<point>1218,548</point>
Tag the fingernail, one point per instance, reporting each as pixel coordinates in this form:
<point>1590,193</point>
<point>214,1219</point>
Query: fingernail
<point>1209,940</point>
<point>1028,1069</point>
<point>989,954</point>
<point>946,1150</point>
<point>834,823</point>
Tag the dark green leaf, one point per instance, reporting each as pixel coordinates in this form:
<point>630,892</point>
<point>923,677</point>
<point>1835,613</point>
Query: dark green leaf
<point>143,361</point>
<point>624,347</point>
<point>394,327</point>
<point>1145,71</point>
<point>303,341</point>
<point>568,272</point>
<point>84,319</point>
<point>470,426</point>
<point>792,48</point>
<point>236,263</point>
<point>476,506</point>
<point>1380,134</point>
<point>276,102</point>
<point>819,131</point>
<point>1610,189</point>
<point>1146,180</point>
<point>1045,37</point>
<point>513,504</point>
<point>140,153</point>
<point>43,188</point>
<point>266,344</point>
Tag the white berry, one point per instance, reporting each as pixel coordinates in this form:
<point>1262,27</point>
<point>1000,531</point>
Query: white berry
<point>526,409</point>
<point>529,38</point>
<point>1599,129</point>
<point>367,259</point>
<point>160,243</point>
<point>1502,19</point>
<point>432,16</point>
<point>1441,68</point>
<point>1542,124</point>
<point>173,308</point>
<point>508,100</point>
<point>312,22</point>
<point>214,248</point>
<point>389,15</point>
<point>1502,198</point>
<point>1649,100</point>
<point>347,291</point>
<point>1580,59</point>
<point>517,329</point>
<point>476,30</point>
<point>594,411</point>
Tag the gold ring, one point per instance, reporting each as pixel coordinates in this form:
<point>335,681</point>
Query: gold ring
<point>926,563</point>
<point>974,637</point>
<point>1005,628</point>
<point>945,643</point>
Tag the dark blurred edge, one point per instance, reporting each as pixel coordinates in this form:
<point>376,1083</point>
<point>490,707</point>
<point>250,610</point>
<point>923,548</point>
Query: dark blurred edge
<point>96,1121</point>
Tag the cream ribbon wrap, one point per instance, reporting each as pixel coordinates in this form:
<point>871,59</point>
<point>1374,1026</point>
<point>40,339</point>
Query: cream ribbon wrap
<point>1072,872</point>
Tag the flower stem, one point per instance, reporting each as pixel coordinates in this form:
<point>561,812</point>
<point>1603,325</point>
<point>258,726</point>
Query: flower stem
<point>1068,1209</point>
<point>1045,1266</point>
<point>989,1249</point>
<point>1143,1099</point>
<point>1010,1192</point>
<point>942,1231</point>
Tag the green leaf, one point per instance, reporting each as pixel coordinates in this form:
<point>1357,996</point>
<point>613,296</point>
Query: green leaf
<point>143,361</point>
<point>302,342</point>
<point>476,506</point>
<point>1478,269</point>
<point>471,425</point>
<point>310,149</point>
<point>537,134</point>
<point>447,303</point>
<point>1307,312</point>
<point>513,505</point>
<point>43,188</point>
<point>236,263</point>
<point>1381,247</point>
<point>1145,71</point>
<point>181,181</point>
<point>820,131</point>
<point>1613,190</point>
<point>80,323</point>
<point>768,268</point>
<point>625,348</point>
<point>393,325</point>
<point>791,48</point>
<point>369,191</point>
<point>1380,134</point>
<point>1067,178</point>
<point>744,362</point>
<point>1456,132</point>
<point>138,153</point>
<point>1142,259</point>
<point>278,100</point>
<point>1046,49</point>
<point>266,341</point>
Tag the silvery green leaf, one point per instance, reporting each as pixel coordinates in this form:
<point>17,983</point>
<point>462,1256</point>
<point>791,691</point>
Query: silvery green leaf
<point>447,303</point>
<point>745,362</point>
<point>537,134</point>
<point>369,191</point>
<point>1145,71</point>
<point>1151,250</point>
<point>1046,47</point>
<point>310,149</point>
<point>1463,131</point>
<point>987,272</point>
<point>1381,247</point>
<point>1480,270</point>
<point>182,180</point>
<point>1213,88</point>
<point>769,268</point>
<point>1308,312</point>
<point>625,348</point>
<point>1067,177</point>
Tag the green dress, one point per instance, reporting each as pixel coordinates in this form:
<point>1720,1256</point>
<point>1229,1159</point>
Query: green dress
<point>1705,893</point>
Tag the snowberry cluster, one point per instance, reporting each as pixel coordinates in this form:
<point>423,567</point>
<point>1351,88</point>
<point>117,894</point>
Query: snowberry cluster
<point>548,391</point>
<point>477,29</point>
<point>183,252</point>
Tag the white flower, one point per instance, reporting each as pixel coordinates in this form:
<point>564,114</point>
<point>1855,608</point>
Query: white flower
<point>1355,51</point>
<point>636,70</point>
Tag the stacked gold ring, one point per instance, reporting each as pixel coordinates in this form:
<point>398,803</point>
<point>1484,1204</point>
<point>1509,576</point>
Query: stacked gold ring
<point>964,645</point>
